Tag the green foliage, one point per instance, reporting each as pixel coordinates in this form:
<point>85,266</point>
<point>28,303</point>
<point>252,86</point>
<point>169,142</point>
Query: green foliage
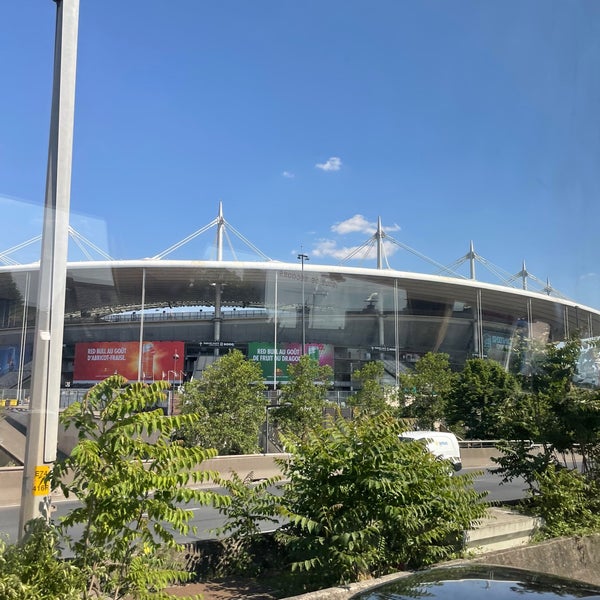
<point>371,398</point>
<point>425,391</point>
<point>576,423</point>
<point>131,481</point>
<point>478,397</point>
<point>361,502</point>
<point>520,458</point>
<point>33,570</point>
<point>568,501</point>
<point>229,403</point>
<point>558,416</point>
<point>555,369</point>
<point>563,421</point>
<point>304,397</point>
<point>252,505</point>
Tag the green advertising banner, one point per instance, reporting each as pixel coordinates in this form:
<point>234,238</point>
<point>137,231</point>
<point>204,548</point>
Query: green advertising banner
<point>274,367</point>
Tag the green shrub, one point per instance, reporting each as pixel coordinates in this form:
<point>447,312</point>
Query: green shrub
<point>33,569</point>
<point>568,501</point>
<point>252,505</point>
<point>361,503</point>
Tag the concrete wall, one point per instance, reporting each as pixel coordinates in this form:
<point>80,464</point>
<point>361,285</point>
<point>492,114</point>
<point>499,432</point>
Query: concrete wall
<point>574,558</point>
<point>257,466</point>
<point>11,479</point>
<point>254,466</point>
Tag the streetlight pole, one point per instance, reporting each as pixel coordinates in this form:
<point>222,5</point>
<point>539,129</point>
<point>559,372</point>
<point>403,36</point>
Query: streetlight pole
<point>174,371</point>
<point>267,427</point>
<point>268,407</point>
<point>302,258</point>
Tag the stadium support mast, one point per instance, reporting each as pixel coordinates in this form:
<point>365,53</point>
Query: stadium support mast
<point>524,276</point>
<point>220,222</point>
<point>220,227</point>
<point>471,256</point>
<point>42,434</point>
<point>379,235</point>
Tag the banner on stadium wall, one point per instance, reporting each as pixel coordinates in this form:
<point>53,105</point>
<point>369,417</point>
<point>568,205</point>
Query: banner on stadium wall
<point>10,357</point>
<point>287,353</point>
<point>95,361</point>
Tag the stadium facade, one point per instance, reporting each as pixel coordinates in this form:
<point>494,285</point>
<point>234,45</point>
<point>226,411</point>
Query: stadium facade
<point>168,319</point>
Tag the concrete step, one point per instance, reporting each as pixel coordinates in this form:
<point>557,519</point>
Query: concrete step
<point>501,528</point>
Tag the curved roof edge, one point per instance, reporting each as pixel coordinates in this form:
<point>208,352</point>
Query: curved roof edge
<point>309,268</point>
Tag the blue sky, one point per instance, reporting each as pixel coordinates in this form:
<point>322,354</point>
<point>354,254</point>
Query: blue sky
<point>452,121</point>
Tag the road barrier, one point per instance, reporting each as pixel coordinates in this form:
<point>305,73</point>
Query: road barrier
<point>253,466</point>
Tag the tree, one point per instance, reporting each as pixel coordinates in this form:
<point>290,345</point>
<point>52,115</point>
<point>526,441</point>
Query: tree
<point>361,502</point>
<point>481,391</point>
<point>428,388</point>
<point>304,397</point>
<point>555,415</point>
<point>555,370</point>
<point>229,403</point>
<point>130,480</point>
<point>543,411</point>
<point>371,397</point>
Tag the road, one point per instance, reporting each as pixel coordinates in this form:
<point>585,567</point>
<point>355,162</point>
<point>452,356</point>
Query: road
<point>206,519</point>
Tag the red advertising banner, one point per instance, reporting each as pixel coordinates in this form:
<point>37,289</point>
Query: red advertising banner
<point>95,361</point>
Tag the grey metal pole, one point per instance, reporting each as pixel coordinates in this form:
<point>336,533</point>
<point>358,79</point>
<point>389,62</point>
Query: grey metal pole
<point>23,339</point>
<point>218,316</point>
<point>302,258</point>
<point>141,374</point>
<point>172,398</point>
<point>266,430</point>
<point>275,336</point>
<point>40,451</point>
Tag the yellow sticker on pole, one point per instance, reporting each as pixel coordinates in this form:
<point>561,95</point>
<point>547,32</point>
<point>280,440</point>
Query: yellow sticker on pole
<point>41,486</point>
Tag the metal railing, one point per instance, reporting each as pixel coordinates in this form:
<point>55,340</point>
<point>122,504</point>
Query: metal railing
<point>13,399</point>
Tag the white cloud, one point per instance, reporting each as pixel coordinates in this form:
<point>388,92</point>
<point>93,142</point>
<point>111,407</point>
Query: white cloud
<point>353,224</point>
<point>368,252</point>
<point>358,223</point>
<point>288,174</point>
<point>333,163</point>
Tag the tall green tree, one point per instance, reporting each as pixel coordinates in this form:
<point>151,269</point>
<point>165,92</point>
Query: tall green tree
<point>230,405</point>
<point>131,481</point>
<point>555,370</point>
<point>541,413</point>
<point>553,418</point>
<point>424,392</point>
<point>371,397</point>
<point>478,397</point>
<point>304,397</point>
<point>361,502</point>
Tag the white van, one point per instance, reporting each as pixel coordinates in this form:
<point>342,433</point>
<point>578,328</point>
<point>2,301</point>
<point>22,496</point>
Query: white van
<point>441,444</point>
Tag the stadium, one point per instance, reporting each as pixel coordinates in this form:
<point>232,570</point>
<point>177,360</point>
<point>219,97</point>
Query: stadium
<point>158,318</point>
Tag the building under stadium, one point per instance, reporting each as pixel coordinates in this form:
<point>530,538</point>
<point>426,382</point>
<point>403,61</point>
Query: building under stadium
<point>158,318</point>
